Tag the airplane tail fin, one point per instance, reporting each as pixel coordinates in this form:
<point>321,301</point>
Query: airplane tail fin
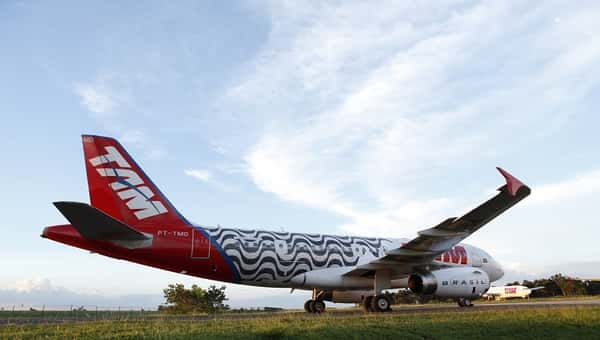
<point>121,189</point>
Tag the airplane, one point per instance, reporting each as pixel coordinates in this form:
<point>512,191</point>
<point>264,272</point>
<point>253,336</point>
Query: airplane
<point>507,292</point>
<point>129,218</point>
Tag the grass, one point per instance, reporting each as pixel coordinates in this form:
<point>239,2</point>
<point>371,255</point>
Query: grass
<point>562,322</point>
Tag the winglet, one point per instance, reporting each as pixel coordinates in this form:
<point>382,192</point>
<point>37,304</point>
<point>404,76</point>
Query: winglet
<point>512,184</point>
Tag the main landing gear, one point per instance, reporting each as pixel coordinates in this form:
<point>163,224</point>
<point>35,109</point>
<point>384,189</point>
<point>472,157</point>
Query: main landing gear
<point>377,303</point>
<point>316,304</point>
<point>463,302</point>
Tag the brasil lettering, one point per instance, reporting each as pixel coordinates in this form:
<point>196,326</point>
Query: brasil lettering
<point>128,185</point>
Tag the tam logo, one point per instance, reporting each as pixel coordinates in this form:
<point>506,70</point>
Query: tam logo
<point>128,185</point>
<point>510,290</point>
<point>456,255</point>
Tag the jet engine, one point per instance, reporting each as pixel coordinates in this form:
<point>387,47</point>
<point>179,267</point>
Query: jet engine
<point>457,282</point>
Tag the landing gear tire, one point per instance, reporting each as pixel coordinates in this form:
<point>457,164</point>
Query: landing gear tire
<point>462,302</point>
<point>314,306</point>
<point>307,306</point>
<point>367,304</point>
<point>380,303</point>
<point>318,307</point>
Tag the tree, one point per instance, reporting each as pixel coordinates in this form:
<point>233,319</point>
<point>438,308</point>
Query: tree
<point>568,286</point>
<point>182,300</point>
<point>592,287</point>
<point>215,298</point>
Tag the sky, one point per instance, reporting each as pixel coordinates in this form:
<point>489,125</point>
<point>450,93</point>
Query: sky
<point>341,117</point>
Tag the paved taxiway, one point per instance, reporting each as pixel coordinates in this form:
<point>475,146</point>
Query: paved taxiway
<point>398,309</point>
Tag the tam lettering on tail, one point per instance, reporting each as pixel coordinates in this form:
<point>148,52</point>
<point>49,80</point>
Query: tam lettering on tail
<point>121,189</point>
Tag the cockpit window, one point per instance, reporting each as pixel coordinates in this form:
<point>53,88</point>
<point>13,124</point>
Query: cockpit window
<point>485,260</point>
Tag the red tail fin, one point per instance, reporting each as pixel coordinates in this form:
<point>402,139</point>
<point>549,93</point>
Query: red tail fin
<point>120,188</point>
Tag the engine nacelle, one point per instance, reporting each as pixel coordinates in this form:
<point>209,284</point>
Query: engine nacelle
<point>458,282</point>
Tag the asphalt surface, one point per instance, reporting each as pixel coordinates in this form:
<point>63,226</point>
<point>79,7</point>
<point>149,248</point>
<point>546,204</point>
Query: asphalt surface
<point>398,309</point>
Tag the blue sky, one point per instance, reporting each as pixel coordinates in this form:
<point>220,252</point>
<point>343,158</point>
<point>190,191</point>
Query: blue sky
<point>338,117</point>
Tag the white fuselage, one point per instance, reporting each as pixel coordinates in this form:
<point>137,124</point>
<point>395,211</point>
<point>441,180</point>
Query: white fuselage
<point>281,259</point>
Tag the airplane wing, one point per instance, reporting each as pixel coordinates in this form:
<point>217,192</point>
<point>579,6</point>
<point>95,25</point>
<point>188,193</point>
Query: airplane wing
<point>537,288</point>
<point>434,241</point>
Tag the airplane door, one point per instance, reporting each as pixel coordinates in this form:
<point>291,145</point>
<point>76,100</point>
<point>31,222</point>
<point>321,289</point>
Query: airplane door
<point>201,246</point>
<point>476,260</point>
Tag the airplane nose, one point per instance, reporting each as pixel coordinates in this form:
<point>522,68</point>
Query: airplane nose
<point>500,272</point>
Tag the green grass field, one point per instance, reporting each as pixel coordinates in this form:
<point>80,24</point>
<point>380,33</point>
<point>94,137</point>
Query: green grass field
<point>562,322</point>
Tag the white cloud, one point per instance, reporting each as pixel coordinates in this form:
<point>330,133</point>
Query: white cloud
<point>207,176</point>
<point>108,94</point>
<point>372,106</point>
<point>136,138</point>
<point>581,184</point>
<point>95,99</point>
<point>38,292</point>
<point>34,284</point>
<point>109,98</point>
<point>200,174</point>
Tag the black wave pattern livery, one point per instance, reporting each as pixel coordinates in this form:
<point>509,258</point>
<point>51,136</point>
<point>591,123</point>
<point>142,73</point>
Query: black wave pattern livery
<point>275,257</point>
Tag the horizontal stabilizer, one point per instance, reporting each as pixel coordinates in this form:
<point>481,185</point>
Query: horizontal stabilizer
<point>93,224</point>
